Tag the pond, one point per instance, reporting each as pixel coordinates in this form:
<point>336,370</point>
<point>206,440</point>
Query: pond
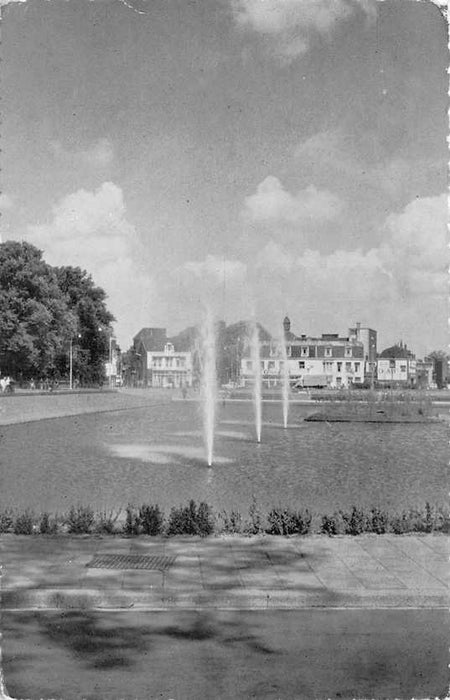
<point>155,454</point>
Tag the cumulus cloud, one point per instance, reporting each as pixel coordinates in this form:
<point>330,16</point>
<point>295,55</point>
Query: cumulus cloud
<point>6,202</point>
<point>215,282</point>
<point>217,269</point>
<point>100,154</point>
<point>415,247</point>
<point>399,287</point>
<point>272,203</point>
<point>332,153</point>
<point>289,24</point>
<point>90,230</point>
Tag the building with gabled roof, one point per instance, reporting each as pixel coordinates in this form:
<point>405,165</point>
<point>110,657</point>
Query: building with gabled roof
<point>160,363</point>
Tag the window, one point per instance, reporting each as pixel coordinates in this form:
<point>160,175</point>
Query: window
<point>348,352</point>
<point>339,366</point>
<point>328,367</point>
<point>249,365</point>
<point>301,365</point>
<point>304,352</point>
<point>328,352</point>
<point>271,364</point>
<point>402,368</point>
<point>348,366</point>
<point>357,364</point>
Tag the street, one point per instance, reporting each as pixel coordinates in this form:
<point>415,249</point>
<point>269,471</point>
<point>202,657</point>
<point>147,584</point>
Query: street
<point>187,655</point>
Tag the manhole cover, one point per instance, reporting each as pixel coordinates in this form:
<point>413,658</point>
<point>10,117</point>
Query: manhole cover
<point>130,561</point>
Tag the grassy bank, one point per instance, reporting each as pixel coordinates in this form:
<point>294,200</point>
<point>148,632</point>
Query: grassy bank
<point>23,408</point>
<point>200,519</point>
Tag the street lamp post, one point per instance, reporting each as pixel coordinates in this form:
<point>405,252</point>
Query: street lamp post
<point>110,361</point>
<point>71,361</point>
<point>71,364</point>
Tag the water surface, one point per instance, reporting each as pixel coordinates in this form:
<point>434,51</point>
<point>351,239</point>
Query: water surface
<point>156,455</point>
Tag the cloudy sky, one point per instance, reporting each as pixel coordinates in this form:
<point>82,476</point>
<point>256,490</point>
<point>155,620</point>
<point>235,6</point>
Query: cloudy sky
<point>259,156</point>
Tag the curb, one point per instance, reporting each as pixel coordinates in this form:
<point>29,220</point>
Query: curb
<point>158,599</point>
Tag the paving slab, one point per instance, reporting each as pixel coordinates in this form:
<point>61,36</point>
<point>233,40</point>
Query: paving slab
<point>224,572</point>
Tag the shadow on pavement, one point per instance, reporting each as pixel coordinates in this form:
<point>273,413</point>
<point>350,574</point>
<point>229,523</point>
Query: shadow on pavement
<point>226,654</point>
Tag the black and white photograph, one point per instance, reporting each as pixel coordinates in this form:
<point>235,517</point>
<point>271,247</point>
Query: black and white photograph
<point>224,350</point>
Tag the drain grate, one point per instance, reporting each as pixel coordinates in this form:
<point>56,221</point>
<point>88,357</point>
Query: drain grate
<point>131,561</point>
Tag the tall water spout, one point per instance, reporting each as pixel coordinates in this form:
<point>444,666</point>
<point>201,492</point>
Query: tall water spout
<point>257,379</point>
<point>284,379</point>
<point>208,383</point>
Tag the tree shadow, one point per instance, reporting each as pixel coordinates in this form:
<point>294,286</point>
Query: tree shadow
<point>105,641</point>
<point>206,626</point>
<point>99,645</point>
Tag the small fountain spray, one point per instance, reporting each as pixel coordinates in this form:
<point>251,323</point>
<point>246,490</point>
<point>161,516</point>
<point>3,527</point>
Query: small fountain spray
<point>285,379</point>
<point>208,382</point>
<point>257,379</point>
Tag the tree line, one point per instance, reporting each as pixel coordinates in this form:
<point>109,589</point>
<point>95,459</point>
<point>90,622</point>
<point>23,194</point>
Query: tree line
<point>48,313</point>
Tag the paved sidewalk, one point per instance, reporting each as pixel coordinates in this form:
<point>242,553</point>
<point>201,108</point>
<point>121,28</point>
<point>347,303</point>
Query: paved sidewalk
<point>368,571</point>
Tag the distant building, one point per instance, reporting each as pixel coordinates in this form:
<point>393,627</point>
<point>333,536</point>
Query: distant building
<point>397,371</point>
<point>424,374</point>
<point>160,363</point>
<point>368,337</point>
<point>329,361</point>
<point>440,372</point>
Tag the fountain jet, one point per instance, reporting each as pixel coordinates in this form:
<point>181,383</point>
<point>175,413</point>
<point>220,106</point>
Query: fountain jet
<point>257,379</point>
<point>208,383</point>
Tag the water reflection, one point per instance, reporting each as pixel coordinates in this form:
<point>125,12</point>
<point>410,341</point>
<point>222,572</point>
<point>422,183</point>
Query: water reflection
<point>163,454</point>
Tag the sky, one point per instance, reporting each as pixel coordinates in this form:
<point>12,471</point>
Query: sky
<point>259,157</point>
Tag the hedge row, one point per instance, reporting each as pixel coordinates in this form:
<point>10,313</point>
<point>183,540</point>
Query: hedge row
<point>193,519</point>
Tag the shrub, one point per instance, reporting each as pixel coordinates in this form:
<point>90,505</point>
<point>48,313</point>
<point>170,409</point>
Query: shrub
<point>254,526</point>
<point>430,520</point>
<point>132,522</point>
<point>151,519</point>
<point>47,526</point>
<point>356,522</point>
<point>333,524</point>
<point>232,523</point>
<point>205,519</point>
<point>400,524</point>
<point>379,521</point>
<point>106,522</point>
<point>6,521</point>
<point>284,521</point>
<point>80,520</point>
<point>190,520</point>
<point>23,524</point>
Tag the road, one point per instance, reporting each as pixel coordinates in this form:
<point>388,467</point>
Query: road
<point>187,655</point>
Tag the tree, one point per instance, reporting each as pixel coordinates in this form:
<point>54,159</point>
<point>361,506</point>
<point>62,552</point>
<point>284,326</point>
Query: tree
<point>399,350</point>
<point>438,355</point>
<point>230,347</point>
<point>35,322</point>
<point>91,341</point>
